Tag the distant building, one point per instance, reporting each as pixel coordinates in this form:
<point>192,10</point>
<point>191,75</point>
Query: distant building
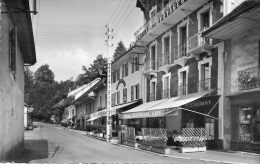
<point>17,50</point>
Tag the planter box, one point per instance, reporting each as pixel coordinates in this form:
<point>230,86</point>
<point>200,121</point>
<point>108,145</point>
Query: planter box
<point>91,133</point>
<point>192,149</point>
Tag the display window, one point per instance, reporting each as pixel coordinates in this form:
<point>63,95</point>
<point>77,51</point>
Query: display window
<point>249,120</point>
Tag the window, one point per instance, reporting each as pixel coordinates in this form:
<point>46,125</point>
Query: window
<point>100,101</point>
<point>12,50</point>
<point>125,94</point>
<point>153,57</point>
<point>153,91</point>
<point>113,99</point>
<point>166,85</point>
<point>132,93</point>
<point>105,100</point>
<point>249,129</point>
<point>118,97</point>
<point>137,91</point>
<point>204,67</point>
<point>118,74</point>
<point>114,76</point>
<point>183,80</point>
<point>126,69</point>
<point>123,70</point>
<point>136,61</point>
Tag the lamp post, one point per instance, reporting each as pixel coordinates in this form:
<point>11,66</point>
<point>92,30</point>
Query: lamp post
<point>109,45</point>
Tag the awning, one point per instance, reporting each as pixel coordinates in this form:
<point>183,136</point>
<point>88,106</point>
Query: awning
<point>161,108</point>
<point>114,109</point>
<point>245,16</point>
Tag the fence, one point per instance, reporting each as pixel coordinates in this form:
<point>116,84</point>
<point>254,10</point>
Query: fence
<point>154,137</point>
<point>193,137</point>
<point>127,136</point>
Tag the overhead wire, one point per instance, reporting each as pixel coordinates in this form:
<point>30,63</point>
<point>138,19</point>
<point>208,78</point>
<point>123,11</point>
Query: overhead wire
<point>120,14</point>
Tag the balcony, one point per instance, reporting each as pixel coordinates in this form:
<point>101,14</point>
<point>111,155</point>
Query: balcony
<point>150,68</point>
<point>249,78</point>
<point>200,86</point>
<point>182,56</point>
<point>174,12</point>
<point>166,93</point>
<point>165,62</point>
<point>198,44</point>
<point>152,97</point>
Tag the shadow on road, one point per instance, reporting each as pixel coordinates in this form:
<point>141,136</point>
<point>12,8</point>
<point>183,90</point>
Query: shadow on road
<point>34,150</point>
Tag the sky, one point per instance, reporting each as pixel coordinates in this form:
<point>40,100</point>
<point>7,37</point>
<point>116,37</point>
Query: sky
<point>71,33</point>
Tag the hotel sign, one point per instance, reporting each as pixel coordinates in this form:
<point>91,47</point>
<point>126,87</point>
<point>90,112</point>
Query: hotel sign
<point>102,113</point>
<point>145,114</point>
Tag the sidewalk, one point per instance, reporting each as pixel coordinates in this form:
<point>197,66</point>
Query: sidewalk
<point>208,156</point>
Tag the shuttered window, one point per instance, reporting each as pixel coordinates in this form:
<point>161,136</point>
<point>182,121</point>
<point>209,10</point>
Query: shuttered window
<point>132,93</point>
<point>125,94</point>
<point>137,91</point>
<point>126,69</point>
<point>12,50</point>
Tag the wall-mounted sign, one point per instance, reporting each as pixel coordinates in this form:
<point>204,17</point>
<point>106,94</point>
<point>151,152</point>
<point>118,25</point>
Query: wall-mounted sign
<point>203,102</point>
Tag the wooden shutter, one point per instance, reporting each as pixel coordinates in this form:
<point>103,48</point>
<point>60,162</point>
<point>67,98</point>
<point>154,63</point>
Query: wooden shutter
<point>132,93</point>
<point>137,63</point>
<point>137,91</point>
<point>133,65</point>
<point>118,97</point>
<point>126,69</point>
<point>125,95</point>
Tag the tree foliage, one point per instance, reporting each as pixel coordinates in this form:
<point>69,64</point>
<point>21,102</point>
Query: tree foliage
<point>91,73</point>
<point>44,74</point>
<point>119,51</point>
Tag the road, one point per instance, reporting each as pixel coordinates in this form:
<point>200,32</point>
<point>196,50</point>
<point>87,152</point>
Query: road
<point>50,143</point>
<point>53,144</point>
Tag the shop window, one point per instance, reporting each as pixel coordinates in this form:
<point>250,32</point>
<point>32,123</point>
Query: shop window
<point>12,50</point>
<point>249,127</point>
<point>125,94</point>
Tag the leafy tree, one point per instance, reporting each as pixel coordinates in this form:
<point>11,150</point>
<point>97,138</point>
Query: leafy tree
<point>91,73</point>
<point>28,84</point>
<point>119,51</point>
<point>44,74</point>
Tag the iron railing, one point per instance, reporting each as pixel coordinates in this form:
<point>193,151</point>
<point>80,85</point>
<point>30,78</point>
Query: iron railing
<point>165,59</point>
<point>249,78</point>
<point>181,51</point>
<point>204,85</point>
<point>196,40</point>
<point>150,65</point>
<point>152,96</point>
<point>166,93</point>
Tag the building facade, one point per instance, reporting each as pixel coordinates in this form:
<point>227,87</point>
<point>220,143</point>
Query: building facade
<point>239,31</point>
<point>17,50</point>
<point>180,68</point>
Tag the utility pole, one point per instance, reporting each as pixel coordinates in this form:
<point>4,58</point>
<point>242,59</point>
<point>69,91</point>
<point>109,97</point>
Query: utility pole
<point>109,45</point>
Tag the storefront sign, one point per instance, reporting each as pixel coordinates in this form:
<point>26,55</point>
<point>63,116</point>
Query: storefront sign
<point>101,114</point>
<point>144,114</point>
<point>204,102</point>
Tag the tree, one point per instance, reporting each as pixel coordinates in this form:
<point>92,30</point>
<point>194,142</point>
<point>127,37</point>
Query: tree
<point>44,74</point>
<point>28,84</point>
<point>119,51</point>
<point>91,73</point>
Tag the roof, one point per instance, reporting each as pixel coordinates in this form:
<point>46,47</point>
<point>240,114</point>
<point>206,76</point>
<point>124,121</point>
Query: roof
<point>240,15</point>
<point>84,89</point>
<point>24,30</point>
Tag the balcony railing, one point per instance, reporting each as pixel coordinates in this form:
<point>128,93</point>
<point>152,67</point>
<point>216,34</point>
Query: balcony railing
<point>152,97</point>
<point>165,59</point>
<point>182,51</point>
<point>204,85</point>
<point>249,78</point>
<point>196,40</point>
<point>195,87</point>
<point>150,66</point>
<point>166,93</point>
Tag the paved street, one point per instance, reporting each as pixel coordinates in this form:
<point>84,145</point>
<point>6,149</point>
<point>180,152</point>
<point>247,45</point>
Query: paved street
<point>52,143</point>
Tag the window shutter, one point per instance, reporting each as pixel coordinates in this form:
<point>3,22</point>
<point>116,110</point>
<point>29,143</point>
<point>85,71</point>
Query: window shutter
<point>137,63</point>
<point>125,95</point>
<point>133,66</point>
<point>118,97</point>
<point>118,73</point>
<point>137,91</point>
<point>132,93</point>
<point>126,69</point>
<point>123,71</point>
